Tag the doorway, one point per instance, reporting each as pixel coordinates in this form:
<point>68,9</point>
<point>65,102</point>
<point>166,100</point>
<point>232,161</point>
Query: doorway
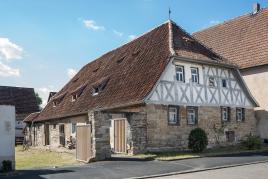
<point>83,142</point>
<point>46,134</point>
<point>119,135</point>
<point>62,135</point>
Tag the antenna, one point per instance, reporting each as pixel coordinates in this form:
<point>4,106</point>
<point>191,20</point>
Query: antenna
<point>169,12</point>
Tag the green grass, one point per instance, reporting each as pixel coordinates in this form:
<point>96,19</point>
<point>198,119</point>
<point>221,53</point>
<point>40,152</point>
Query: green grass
<point>37,158</point>
<point>168,156</point>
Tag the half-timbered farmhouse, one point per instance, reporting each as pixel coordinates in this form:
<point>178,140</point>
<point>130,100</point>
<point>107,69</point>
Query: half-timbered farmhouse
<point>148,95</point>
<point>244,40</point>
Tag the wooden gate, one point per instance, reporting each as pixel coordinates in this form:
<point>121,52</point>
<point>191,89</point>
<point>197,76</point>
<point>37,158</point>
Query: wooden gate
<point>83,142</point>
<point>120,136</point>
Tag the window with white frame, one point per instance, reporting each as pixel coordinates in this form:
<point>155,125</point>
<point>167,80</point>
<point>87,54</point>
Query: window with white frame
<point>211,81</point>
<point>180,73</point>
<point>173,115</point>
<point>192,116</point>
<point>240,114</point>
<point>225,114</point>
<point>195,75</point>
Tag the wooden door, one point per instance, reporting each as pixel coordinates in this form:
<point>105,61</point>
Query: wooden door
<point>83,142</point>
<point>120,136</point>
<point>46,131</point>
<point>62,135</point>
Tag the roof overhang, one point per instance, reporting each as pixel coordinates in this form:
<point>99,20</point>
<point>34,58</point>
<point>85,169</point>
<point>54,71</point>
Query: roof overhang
<point>203,61</point>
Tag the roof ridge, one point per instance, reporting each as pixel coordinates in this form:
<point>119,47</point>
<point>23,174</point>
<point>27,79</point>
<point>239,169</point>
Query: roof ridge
<point>170,39</point>
<point>230,20</point>
<point>202,44</point>
<point>17,87</point>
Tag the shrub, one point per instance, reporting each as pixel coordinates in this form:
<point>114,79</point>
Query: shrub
<point>252,142</point>
<point>6,166</point>
<point>197,140</point>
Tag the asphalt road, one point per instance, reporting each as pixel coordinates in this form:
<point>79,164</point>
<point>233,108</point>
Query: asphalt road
<point>254,171</point>
<point>125,169</point>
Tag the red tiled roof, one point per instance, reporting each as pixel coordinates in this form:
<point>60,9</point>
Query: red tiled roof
<point>243,40</point>
<point>132,71</point>
<point>31,117</point>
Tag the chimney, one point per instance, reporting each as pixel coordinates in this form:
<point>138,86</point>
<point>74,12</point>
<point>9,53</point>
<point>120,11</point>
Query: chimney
<point>256,8</point>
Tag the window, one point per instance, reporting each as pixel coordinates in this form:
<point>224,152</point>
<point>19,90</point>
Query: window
<point>224,83</point>
<point>74,97</point>
<point>192,115</point>
<point>99,85</point>
<point>211,81</point>
<point>73,127</point>
<point>240,114</point>
<point>180,73</point>
<point>230,136</point>
<point>54,126</point>
<point>195,75</point>
<point>173,115</point>
<point>225,114</point>
<point>54,103</point>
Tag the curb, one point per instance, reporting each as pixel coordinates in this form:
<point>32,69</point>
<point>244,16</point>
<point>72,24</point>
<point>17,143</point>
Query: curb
<point>198,170</point>
<point>216,155</point>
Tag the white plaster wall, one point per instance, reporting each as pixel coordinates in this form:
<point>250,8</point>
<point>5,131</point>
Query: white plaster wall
<point>256,79</point>
<point>7,133</point>
<point>170,91</point>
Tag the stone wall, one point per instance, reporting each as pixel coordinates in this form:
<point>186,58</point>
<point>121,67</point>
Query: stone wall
<point>162,136</point>
<point>54,130</point>
<point>101,123</point>
<point>136,132</point>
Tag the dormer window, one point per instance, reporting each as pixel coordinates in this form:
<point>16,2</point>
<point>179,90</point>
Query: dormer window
<point>57,99</point>
<point>54,103</point>
<point>99,86</point>
<point>74,97</point>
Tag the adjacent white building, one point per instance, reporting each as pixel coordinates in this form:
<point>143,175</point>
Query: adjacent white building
<point>7,133</point>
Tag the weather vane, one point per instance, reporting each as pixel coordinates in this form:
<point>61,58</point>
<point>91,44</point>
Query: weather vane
<point>169,12</point>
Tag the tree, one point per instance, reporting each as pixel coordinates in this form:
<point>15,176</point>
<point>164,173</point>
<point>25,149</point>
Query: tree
<point>38,99</point>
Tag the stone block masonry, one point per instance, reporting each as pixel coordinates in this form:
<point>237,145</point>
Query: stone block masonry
<point>162,136</point>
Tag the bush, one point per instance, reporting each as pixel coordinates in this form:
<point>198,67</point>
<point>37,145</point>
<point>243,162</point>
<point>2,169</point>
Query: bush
<point>252,142</point>
<point>6,166</point>
<point>197,140</point>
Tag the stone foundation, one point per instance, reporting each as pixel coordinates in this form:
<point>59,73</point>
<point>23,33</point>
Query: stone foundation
<point>147,129</point>
<point>162,136</point>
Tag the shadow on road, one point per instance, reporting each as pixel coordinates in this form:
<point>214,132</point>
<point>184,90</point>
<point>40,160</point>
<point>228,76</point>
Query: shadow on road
<point>35,174</point>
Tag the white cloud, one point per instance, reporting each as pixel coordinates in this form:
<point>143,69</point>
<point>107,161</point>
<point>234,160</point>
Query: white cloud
<point>132,37</point>
<point>9,50</point>
<point>214,22</point>
<point>120,34</point>
<point>6,71</point>
<point>43,93</point>
<point>71,72</point>
<point>91,24</point>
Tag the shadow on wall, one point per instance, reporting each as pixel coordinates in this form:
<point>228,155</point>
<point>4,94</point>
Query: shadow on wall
<point>262,123</point>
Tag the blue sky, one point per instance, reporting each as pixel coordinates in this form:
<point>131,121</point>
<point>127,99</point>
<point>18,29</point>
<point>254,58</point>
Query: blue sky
<point>43,43</point>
